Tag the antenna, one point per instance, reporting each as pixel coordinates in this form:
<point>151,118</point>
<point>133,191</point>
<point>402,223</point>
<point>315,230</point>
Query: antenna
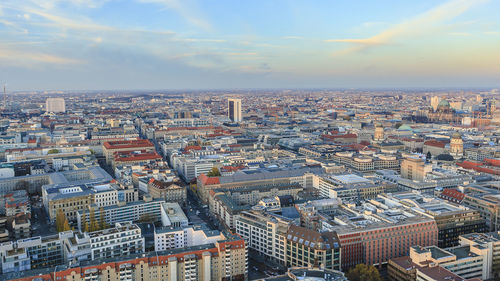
<point>4,98</point>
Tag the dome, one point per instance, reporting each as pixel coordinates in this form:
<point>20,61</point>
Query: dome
<point>444,103</point>
<point>456,135</point>
<point>378,125</point>
<point>445,157</point>
<point>404,128</point>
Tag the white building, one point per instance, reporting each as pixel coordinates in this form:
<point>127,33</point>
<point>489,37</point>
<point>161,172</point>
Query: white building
<point>172,215</point>
<point>124,239</point>
<point>55,105</point>
<point>172,238</point>
<point>264,233</point>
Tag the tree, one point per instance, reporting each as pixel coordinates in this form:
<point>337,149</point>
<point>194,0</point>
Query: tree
<point>85,225</point>
<point>62,223</point>
<point>53,151</point>
<point>102,221</point>
<point>59,220</point>
<point>93,223</point>
<point>23,185</point>
<point>428,157</point>
<point>146,217</point>
<point>214,172</point>
<point>363,272</point>
<point>66,225</point>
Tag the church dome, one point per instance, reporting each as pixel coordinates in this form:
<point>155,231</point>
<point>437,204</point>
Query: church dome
<point>444,104</point>
<point>404,128</point>
<point>456,135</point>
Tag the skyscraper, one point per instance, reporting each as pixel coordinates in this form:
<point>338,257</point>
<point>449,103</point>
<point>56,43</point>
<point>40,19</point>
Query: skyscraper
<point>55,105</point>
<point>234,109</point>
<point>435,102</point>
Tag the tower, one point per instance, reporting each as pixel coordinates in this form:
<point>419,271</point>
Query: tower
<point>435,102</point>
<point>379,133</point>
<point>234,110</point>
<point>456,145</point>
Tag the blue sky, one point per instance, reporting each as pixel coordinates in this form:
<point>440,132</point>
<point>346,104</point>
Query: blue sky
<point>193,44</point>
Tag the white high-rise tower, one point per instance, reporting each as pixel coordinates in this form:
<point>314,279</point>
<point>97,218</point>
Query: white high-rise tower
<point>234,110</point>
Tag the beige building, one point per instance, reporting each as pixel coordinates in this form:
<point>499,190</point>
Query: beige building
<point>169,191</point>
<point>414,169</point>
<point>110,147</point>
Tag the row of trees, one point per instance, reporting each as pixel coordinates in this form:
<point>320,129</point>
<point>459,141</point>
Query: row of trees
<point>363,272</point>
<point>62,223</point>
<point>93,225</point>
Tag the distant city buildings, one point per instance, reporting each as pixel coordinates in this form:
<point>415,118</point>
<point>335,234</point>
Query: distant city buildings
<point>55,105</point>
<point>179,186</point>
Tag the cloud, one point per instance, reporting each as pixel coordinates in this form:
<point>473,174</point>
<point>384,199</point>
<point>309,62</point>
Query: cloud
<point>242,54</point>
<point>460,33</point>
<point>293,37</point>
<point>185,11</point>
<point>18,56</point>
<point>492,32</point>
<point>419,25</point>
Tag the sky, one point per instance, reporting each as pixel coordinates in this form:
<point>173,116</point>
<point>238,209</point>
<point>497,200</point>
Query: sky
<point>224,44</point>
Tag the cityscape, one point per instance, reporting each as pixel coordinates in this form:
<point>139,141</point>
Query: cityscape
<point>148,140</point>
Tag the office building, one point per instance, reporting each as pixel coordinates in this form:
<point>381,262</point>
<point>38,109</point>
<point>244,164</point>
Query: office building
<point>234,110</point>
<point>309,248</point>
<point>265,233</point>
<point>55,105</point>
<point>415,169</point>
<point>452,220</point>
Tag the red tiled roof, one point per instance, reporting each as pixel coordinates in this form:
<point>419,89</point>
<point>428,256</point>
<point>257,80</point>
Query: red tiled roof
<point>127,144</point>
<point>484,167</point>
<point>434,143</point>
<point>137,157</point>
<point>232,168</point>
<point>452,194</point>
<point>206,180</point>
<point>192,147</point>
<point>345,136</point>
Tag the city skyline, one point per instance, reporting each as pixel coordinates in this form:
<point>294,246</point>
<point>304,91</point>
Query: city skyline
<point>169,44</point>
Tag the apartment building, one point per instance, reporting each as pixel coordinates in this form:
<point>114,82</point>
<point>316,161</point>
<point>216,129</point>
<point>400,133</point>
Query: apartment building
<point>265,233</point>
<point>223,260</point>
<point>121,240</point>
<point>33,253</point>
